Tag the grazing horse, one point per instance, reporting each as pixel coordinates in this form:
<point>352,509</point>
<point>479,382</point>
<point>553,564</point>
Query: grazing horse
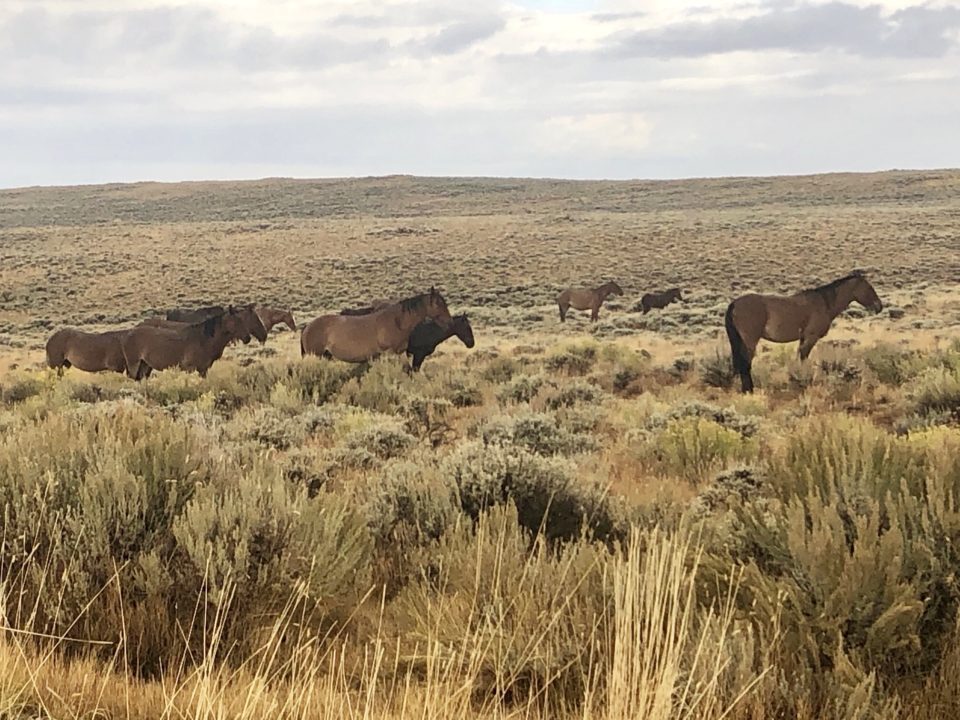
<point>191,347</point>
<point>274,316</point>
<point>586,299</point>
<point>179,318</point>
<point>660,300</point>
<point>358,338</point>
<point>428,334</point>
<point>92,352</point>
<point>805,316</point>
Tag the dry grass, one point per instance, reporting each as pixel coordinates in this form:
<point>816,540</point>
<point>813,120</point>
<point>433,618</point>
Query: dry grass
<point>567,521</point>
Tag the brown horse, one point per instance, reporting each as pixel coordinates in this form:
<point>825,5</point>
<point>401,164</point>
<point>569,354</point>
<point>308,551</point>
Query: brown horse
<point>805,316</point>
<point>363,337</point>
<point>92,352</point>
<point>660,300</point>
<point>192,347</point>
<point>586,299</point>
<point>274,316</point>
<point>248,314</point>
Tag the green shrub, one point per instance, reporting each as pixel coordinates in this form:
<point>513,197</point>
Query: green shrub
<point>536,432</point>
<point>747,426</point>
<point>18,388</point>
<point>521,389</point>
<point>548,496</point>
<point>692,448</point>
<point>576,359</point>
<point>575,393</point>
<point>936,390</point>
<point>717,371</point>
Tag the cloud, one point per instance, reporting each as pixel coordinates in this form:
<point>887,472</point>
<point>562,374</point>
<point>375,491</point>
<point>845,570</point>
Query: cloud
<point>596,132</point>
<point>461,35</point>
<point>918,31</point>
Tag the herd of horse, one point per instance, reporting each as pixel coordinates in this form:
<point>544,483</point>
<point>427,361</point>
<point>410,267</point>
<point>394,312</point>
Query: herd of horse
<point>193,339</point>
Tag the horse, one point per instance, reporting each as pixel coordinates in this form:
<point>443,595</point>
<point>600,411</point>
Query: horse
<point>363,337</point>
<point>428,335</point>
<point>274,316</point>
<point>371,308</point>
<point>92,352</point>
<point>805,316</point>
<point>178,318</point>
<point>586,299</point>
<point>660,300</point>
<point>192,347</point>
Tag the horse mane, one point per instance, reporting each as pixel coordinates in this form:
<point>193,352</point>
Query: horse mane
<point>834,284</point>
<point>829,291</point>
<point>416,302</point>
<point>210,324</point>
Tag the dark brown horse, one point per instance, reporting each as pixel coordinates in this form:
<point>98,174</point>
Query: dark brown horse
<point>92,352</point>
<point>191,347</point>
<point>660,300</point>
<point>805,316</point>
<point>586,299</point>
<point>363,337</point>
<point>428,334</point>
<point>179,318</point>
<point>274,316</point>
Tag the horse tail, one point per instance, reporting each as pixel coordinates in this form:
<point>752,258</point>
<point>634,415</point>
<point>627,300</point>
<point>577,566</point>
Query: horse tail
<point>738,351</point>
<point>303,350</point>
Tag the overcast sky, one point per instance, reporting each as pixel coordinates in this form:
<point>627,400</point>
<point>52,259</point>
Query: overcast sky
<point>122,90</point>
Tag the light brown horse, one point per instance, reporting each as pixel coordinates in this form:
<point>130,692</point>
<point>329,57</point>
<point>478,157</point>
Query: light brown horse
<point>248,314</point>
<point>92,352</point>
<point>274,316</point>
<point>660,300</point>
<point>192,347</point>
<point>586,299</point>
<point>805,316</point>
<point>358,338</point>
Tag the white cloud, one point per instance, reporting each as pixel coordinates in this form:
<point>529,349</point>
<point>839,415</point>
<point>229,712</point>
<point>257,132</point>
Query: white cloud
<point>101,90</point>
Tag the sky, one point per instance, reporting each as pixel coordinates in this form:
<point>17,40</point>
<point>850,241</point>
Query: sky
<point>98,91</point>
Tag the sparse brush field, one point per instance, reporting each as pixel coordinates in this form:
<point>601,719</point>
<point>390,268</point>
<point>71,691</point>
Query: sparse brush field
<point>569,521</point>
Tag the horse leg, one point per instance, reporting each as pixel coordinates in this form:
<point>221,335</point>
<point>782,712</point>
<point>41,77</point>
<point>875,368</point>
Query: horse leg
<point>595,312</point>
<point>563,311</point>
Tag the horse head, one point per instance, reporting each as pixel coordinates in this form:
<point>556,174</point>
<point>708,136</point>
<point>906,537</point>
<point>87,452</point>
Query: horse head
<point>864,293</point>
<point>461,326</point>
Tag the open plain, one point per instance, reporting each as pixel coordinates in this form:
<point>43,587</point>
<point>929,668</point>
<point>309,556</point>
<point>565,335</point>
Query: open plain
<point>569,520</point>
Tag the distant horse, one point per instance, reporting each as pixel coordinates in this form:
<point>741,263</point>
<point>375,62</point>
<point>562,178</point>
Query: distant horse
<point>364,337</point>
<point>192,347</point>
<point>586,299</point>
<point>660,300</point>
<point>92,352</point>
<point>273,316</point>
<point>805,316</point>
<point>428,335</point>
<point>371,308</point>
<point>178,318</point>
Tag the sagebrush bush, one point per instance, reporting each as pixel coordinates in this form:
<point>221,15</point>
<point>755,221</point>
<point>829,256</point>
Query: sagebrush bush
<point>574,393</point>
<point>548,495</point>
<point>19,387</point>
<point>573,359</point>
<point>692,448</point>
<point>537,432</point>
<point>521,389</point>
<point>936,391</point>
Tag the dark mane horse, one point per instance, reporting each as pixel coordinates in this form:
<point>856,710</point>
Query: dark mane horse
<point>190,347</point>
<point>660,300</point>
<point>428,335</point>
<point>357,338</point>
<point>805,316</point>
